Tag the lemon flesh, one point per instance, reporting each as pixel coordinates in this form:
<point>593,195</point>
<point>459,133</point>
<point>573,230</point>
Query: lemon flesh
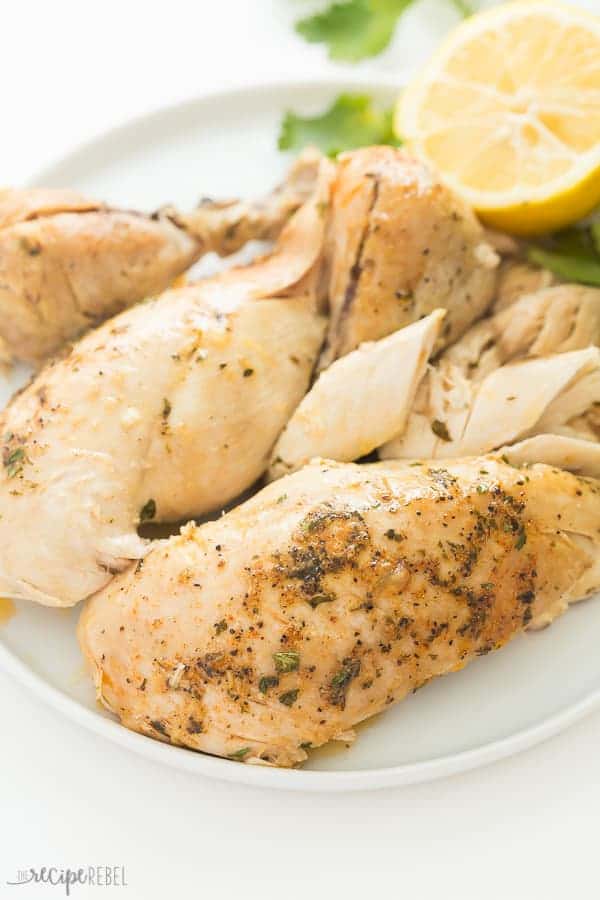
<point>508,111</point>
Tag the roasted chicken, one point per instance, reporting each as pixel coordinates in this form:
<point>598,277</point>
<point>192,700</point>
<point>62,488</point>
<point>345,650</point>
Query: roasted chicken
<point>171,410</point>
<point>332,594</point>
<point>165,412</point>
<point>68,262</point>
<point>401,244</point>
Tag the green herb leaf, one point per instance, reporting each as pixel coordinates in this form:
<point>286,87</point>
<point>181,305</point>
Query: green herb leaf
<point>148,511</point>
<point>221,626</point>
<point>573,254</point>
<point>317,599</point>
<point>340,682</point>
<point>14,460</point>
<point>351,121</point>
<point>266,682</point>
<point>286,661</point>
<point>465,9</point>
<point>354,29</point>
<point>240,754</point>
<point>289,698</point>
<point>572,268</point>
<point>521,538</point>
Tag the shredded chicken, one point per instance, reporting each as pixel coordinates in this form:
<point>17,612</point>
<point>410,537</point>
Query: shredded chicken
<point>528,369</point>
<point>360,401</point>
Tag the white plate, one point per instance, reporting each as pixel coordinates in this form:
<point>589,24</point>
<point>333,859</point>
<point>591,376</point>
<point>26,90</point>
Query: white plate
<point>222,145</point>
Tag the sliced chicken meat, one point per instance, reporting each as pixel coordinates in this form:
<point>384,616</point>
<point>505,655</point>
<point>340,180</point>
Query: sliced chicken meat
<point>510,376</point>
<point>332,594</point>
<point>67,263</point>
<point>167,411</point>
<point>517,278</point>
<point>360,401</point>
<point>401,245</point>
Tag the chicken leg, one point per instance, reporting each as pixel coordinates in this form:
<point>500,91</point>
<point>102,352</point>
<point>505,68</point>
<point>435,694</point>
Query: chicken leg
<point>165,412</point>
<point>67,263</point>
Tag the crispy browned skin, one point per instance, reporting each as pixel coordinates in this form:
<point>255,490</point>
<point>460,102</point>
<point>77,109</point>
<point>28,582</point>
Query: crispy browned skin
<point>401,245</point>
<point>68,262</point>
<point>333,593</point>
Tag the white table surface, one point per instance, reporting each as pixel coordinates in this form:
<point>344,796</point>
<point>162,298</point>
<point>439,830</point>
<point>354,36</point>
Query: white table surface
<point>523,828</point>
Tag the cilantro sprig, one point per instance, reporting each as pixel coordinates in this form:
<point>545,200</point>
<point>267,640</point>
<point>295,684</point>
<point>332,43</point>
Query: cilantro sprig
<point>353,120</point>
<point>359,29</point>
<point>573,254</point>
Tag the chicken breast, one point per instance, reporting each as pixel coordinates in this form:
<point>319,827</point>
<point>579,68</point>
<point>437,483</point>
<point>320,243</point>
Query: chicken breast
<point>477,396</point>
<point>360,401</point>
<point>401,245</point>
<point>332,594</point>
<point>67,263</point>
<point>165,412</point>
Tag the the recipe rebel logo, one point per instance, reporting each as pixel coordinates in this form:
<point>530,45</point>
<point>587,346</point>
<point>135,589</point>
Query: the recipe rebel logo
<point>52,876</point>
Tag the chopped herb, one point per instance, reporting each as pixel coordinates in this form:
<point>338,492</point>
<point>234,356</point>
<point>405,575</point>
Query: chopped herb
<point>354,29</point>
<point>317,599</point>
<point>521,538</point>
<point>14,460</point>
<point>194,726</point>
<point>351,121</point>
<point>248,373</point>
<point>482,488</point>
<point>282,498</point>
<point>160,727</point>
<point>240,754</point>
<point>440,429</point>
<point>289,698</point>
<point>393,535</point>
<point>166,408</point>
<point>306,745</point>
<point>341,680</point>
<point>266,682</point>
<point>148,511</point>
<point>286,661</point>
<point>487,585</point>
<point>221,626</point>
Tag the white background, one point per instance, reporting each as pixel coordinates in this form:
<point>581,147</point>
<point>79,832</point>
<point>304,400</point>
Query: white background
<point>524,828</point>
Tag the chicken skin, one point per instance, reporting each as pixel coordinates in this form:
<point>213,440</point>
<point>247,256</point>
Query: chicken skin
<point>401,244</point>
<point>68,263</point>
<point>332,594</point>
<point>163,413</point>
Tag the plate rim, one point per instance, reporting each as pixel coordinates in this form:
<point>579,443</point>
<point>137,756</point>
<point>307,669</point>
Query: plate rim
<point>196,763</point>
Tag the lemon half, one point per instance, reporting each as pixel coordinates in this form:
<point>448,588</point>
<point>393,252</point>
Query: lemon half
<point>508,111</point>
